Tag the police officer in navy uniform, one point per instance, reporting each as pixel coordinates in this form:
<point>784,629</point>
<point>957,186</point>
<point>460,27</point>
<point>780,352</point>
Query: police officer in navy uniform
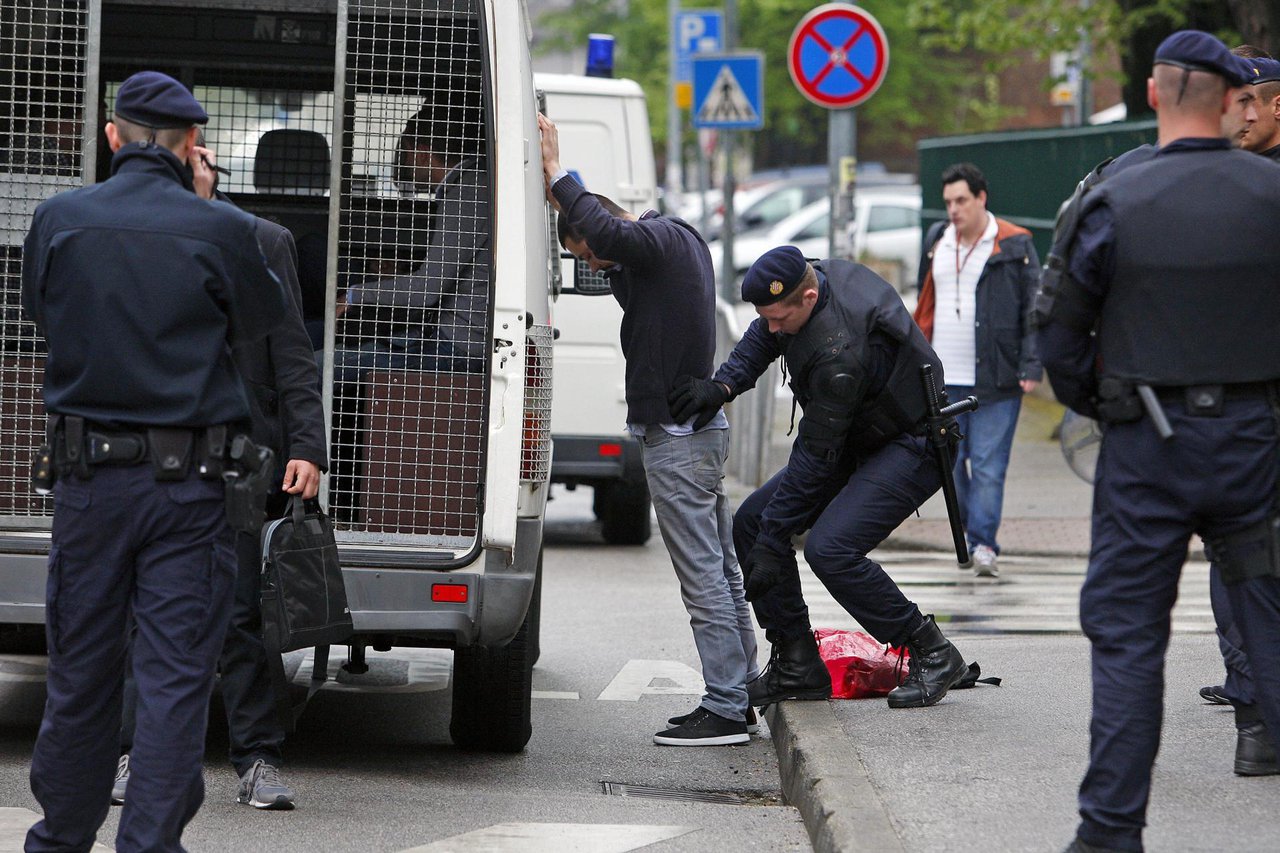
<point>1164,328</point>
<point>140,289</point>
<point>859,466</point>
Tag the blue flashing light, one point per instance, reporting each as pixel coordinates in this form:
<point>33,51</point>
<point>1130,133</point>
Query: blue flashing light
<point>599,55</point>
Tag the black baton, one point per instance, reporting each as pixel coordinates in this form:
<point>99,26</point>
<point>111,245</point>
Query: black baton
<point>941,425</point>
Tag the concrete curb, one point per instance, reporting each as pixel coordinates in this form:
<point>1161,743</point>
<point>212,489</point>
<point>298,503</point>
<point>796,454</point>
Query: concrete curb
<point>824,778</point>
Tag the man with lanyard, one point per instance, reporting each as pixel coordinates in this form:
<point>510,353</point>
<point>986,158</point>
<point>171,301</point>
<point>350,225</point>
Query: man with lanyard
<point>1182,371</point>
<point>660,271</point>
<point>860,465</point>
<point>140,289</point>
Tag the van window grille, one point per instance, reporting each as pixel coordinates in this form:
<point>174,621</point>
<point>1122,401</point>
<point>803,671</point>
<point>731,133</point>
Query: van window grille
<point>42,80</point>
<point>535,450</point>
<point>411,350</point>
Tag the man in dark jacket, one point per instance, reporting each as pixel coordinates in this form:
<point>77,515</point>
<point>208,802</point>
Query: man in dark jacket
<point>859,466</point>
<point>283,388</point>
<point>660,273</point>
<point>140,289</point>
<point>977,279</point>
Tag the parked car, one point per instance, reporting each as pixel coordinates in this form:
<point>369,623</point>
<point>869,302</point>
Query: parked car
<point>886,233</point>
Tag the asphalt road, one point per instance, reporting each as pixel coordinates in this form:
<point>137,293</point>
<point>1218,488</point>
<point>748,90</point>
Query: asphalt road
<point>375,771</point>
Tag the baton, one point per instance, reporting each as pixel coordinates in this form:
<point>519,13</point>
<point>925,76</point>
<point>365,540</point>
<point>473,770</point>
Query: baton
<point>941,424</point>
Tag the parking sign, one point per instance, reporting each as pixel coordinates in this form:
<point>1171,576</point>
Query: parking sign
<point>696,31</point>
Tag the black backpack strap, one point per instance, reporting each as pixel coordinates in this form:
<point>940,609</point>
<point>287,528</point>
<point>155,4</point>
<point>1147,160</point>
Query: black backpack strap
<point>973,677</point>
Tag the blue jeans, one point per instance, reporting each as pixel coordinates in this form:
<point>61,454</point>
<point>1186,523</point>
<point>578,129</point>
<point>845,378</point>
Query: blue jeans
<point>981,463</point>
<point>686,481</point>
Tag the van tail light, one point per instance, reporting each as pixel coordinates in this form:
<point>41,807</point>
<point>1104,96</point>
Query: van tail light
<point>535,439</point>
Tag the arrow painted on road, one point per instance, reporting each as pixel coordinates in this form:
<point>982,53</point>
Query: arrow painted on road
<point>555,838</point>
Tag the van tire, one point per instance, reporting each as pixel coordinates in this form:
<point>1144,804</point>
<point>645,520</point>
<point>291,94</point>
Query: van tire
<point>20,638</point>
<point>626,520</point>
<point>491,692</point>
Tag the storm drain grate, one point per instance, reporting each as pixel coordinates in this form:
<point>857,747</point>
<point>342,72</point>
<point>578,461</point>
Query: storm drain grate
<point>726,798</point>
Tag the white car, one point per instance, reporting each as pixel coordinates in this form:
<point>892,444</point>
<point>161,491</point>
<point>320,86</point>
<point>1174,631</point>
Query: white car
<point>886,234</point>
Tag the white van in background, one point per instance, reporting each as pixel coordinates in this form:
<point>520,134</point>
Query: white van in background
<point>604,140</point>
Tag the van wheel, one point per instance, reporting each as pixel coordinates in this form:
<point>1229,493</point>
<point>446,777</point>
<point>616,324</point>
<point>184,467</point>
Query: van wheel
<point>626,513</point>
<point>21,638</point>
<point>491,691</point>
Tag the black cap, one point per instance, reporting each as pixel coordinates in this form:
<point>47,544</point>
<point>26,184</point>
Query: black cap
<point>1264,70</point>
<point>156,100</point>
<point>1198,51</point>
<point>774,274</point>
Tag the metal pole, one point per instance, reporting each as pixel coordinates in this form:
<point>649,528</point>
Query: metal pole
<point>729,139</point>
<point>842,158</point>
<point>673,174</point>
<point>1085,96</point>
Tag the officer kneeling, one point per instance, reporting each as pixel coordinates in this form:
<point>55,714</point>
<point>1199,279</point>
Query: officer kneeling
<point>859,466</point>
<point>140,289</point>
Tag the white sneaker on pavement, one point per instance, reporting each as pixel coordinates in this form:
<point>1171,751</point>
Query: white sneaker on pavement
<point>984,562</point>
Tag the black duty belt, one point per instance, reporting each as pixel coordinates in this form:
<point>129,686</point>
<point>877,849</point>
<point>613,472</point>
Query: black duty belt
<point>1207,396</point>
<point>79,445</point>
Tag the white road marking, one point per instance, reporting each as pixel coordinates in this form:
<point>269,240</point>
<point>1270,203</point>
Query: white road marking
<point>637,677</point>
<point>14,824</point>
<point>555,694</point>
<point>555,838</point>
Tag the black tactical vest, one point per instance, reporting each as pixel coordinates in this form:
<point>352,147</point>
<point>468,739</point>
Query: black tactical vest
<point>858,303</point>
<point>1193,300</point>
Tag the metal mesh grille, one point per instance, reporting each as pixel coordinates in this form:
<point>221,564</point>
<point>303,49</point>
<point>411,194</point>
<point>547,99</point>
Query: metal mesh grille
<point>42,73</point>
<point>535,452</point>
<point>411,349</point>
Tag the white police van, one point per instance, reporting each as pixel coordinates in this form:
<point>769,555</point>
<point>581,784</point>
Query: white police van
<point>603,126</point>
<point>440,477</point>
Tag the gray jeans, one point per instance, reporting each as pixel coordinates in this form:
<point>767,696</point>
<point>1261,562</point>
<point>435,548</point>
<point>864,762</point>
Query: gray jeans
<point>686,481</point>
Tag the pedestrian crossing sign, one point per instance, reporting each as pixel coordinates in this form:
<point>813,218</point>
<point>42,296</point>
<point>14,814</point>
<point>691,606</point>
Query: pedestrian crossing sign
<point>728,91</point>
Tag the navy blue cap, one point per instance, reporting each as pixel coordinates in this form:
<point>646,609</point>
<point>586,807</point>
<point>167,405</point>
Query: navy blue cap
<point>1198,51</point>
<point>774,274</point>
<point>1264,70</point>
<point>156,100</point>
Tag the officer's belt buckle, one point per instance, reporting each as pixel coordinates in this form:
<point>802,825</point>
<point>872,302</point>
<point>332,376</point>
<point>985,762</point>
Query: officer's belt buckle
<point>1204,401</point>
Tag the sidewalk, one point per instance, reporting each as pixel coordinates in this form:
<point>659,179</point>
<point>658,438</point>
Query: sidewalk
<point>991,769</point>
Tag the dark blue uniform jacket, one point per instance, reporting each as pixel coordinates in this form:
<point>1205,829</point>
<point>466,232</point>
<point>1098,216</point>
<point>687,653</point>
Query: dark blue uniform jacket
<point>140,287</point>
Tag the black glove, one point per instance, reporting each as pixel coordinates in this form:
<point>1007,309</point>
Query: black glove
<point>700,397</point>
<point>764,569</point>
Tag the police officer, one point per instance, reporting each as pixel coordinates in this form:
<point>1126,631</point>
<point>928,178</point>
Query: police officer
<point>859,466</point>
<point>1171,266</point>
<point>140,289</point>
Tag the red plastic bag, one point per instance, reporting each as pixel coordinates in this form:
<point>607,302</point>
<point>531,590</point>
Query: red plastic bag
<point>860,667</point>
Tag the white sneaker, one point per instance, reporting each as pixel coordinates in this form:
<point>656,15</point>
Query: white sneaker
<point>984,562</point>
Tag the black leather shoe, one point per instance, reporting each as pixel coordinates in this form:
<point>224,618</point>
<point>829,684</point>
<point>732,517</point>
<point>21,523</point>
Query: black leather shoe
<point>1255,750</point>
<point>1078,846</point>
<point>1213,695</point>
<point>795,671</point>
<point>935,665</point>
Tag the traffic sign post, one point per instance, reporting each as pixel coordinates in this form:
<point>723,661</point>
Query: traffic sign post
<point>728,91</point>
<point>838,56</point>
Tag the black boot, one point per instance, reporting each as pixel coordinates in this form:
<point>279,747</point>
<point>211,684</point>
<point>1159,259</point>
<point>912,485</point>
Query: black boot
<point>795,671</point>
<point>1255,750</point>
<point>935,665</point>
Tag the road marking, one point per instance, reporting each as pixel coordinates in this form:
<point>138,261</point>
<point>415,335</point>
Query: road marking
<point>554,694</point>
<point>24,668</point>
<point>15,822</point>
<point>555,838</point>
<point>637,677</point>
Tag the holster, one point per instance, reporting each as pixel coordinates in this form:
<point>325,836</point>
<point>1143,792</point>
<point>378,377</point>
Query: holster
<point>1118,402</point>
<point>248,479</point>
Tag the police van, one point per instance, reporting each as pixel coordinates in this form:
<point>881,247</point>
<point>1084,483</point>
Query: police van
<point>603,126</point>
<point>440,470</point>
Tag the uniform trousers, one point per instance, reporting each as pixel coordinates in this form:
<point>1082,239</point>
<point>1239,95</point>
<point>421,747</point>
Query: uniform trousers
<point>1215,476</point>
<point>1238,685</point>
<point>861,505</point>
<point>254,729</point>
<point>124,543</point>
<point>685,474</point>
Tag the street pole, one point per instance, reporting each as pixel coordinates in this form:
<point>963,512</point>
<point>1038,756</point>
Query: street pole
<point>842,160</point>
<point>729,139</point>
<point>673,174</point>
